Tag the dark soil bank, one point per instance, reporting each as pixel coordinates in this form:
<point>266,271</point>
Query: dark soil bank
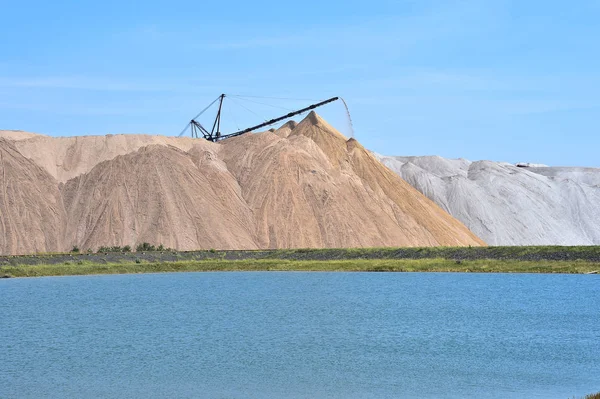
<point>588,253</point>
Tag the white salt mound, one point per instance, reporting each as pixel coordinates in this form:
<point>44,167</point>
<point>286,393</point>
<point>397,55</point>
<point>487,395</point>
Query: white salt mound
<point>508,205</point>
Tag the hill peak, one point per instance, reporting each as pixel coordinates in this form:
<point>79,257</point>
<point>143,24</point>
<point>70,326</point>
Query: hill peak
<point>313,123</point>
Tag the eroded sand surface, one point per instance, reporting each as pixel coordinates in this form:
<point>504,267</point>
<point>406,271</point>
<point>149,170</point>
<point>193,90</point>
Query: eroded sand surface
<point>304,185</point>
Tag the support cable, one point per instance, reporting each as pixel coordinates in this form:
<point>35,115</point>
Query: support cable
<point>205,109</point>
<point>268,105</point>
<point>247,109</point>
<point>273,98</point>
<point>233,117</point>
<point>200,113</point>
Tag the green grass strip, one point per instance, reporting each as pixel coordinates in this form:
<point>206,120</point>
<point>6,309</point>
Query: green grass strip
<point>356,265</point>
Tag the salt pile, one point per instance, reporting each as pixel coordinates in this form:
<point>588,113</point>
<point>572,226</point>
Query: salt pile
<point>509,205</point>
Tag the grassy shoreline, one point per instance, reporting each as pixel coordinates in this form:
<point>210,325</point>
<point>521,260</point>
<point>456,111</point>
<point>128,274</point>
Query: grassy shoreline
<point>353,265</point>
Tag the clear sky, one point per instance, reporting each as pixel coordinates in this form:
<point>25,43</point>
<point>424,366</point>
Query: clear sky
<point>479,79</point>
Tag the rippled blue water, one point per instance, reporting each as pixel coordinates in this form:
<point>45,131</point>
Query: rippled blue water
<point>300,335</point>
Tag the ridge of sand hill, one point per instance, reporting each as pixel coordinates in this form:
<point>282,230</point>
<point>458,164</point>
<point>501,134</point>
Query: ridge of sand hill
<point>67,157</point>
<point>508,205</point>
<point>309,188</point>
<point>32,214</point>
<point>17,135</point>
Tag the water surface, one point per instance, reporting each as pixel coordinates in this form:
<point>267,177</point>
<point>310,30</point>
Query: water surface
<point>300,335</point>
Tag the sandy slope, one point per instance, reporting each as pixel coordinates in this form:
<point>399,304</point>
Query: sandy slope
<point>158,194</point>
<point>304,185</point>
<point>32,215</point>
<point>507,205</point>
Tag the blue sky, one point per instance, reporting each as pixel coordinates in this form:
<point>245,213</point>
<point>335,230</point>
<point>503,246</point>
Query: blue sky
<point>501,80</point>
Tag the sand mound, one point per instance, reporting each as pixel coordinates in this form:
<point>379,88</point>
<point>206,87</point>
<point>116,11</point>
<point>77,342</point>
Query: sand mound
<point>317,189</point>
<point>286,129</point>
<point>304,185</point>
<point>158,194</point>
<point>508,205</point>
<point>31,210</point>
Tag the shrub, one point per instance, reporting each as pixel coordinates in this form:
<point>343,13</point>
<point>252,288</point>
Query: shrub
<point>145,247</point>
<point>115,248</point>
<point>75,249</point>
